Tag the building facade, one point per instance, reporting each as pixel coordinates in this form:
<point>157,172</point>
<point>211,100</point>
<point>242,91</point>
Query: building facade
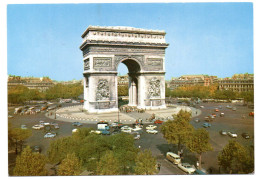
<point>192,80</point>
<point>41,84</point>
<point>237,83</point>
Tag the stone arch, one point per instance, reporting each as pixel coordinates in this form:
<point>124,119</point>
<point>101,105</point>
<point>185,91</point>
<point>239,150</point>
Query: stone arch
<point>142,51</point>
<point>132,64</point>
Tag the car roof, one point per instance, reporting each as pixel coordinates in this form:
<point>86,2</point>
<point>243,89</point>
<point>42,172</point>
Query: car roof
<point>173,154</point>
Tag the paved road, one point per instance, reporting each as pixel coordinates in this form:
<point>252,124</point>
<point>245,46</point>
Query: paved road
<point>232,121</point>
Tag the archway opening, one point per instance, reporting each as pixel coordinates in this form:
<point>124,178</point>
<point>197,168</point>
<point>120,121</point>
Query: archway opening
<point>128,82</point>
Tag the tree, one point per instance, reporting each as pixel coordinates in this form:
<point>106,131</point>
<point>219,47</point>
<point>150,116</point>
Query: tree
<point>18,136</point>
<point>123,146</point>
<point>183,115</point>
<point>59,148</point>
<point>235,157</point>
<point>247,96</point>
<point>108,164</point>
<point>145,163</point>
<point>122,90</point>
<point>199,143</point>
<point>177,131</point>
<point>30,164</point>
<point>70,166</point>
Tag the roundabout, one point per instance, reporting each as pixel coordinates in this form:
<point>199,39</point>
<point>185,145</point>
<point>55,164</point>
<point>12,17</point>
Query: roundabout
<point>76,113</point>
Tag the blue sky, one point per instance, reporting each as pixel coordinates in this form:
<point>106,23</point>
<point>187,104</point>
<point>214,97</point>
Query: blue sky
<point>205,38</point>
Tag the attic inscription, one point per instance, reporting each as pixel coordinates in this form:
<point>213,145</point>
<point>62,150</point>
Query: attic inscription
<point>154,62</point>
<point>102,62</point>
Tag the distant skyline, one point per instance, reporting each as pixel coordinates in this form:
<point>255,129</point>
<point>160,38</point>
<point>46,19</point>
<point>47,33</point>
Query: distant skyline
<point>205,38</point>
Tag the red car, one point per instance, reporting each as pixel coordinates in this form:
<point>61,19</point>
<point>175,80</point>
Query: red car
<point>158,121</point>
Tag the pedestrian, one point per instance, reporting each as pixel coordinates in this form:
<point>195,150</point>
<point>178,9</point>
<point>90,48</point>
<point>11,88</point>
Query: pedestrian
<point>159,166</point>
<point>198,164</point>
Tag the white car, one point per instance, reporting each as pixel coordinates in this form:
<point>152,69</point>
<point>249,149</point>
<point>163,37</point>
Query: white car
<point>137,128</point>
<point>151,131</point>
<point>201,106</point>
<point>233,135</point>
<point>137,136</point>
<point>126,130</point>
<point>74,130</point>
<point>23,126</point>
<point>186,167</point>
<point>151,127</point>
<point>95,131</point>
<point>38,126</point>
<point>50,135</point>
<point>126,127</point>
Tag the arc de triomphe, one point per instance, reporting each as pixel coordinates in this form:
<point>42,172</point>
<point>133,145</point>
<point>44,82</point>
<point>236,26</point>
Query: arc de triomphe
<point>142,51</point>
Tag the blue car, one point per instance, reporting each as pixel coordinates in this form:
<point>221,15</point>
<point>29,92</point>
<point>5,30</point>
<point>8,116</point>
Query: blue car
<point>206,125</point>
<point>105,132</point>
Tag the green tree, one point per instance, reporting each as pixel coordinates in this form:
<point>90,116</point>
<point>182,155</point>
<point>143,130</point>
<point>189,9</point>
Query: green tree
<point>70,166</point>
<point>123,146</point>
<point>59,148</point>
<point>183,115</point>
<point>199,143</point>
<point>30,164</point>
<point>18,94</point>
<point>108,164</point>
<point>235,157</point>
<point>122,90</point>
<point>145,163</point>
<point>177,131</point>
<point>18,135</point>
<point>247,96</point>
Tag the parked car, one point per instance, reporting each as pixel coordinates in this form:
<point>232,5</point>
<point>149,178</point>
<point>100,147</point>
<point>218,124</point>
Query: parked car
<point>36,149</point>
<point>126,130</point>
<point>158,121</point>
<point>198,172</point>
<point>23,126</point>
<point>206,125</point>
<point>174,158</point>
<point>53,124</point>
<point>76,124</point>
<point>151,131</point>
<point>50,135</point>
<point>222,114</point>
<point>197,120</point>
<point>245,135</point>
<point>216,110</point>
<point>232,134</point>
<point>95,131</point>
<point>186,167</point>
<point>56,126</point>
<point>151,127</point>
<point>38,126</point>
<point>105,132</point>
<point>116,124</point>
<point>251,114</point>
<point>136,135</point>
<point>201,106</point>
<point>228,106</point>
<point>137,128</point>
<point>75,130</point>
<point>234,108</point>
<point>222,132</point>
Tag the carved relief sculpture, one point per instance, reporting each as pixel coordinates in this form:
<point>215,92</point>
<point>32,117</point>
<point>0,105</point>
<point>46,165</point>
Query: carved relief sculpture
<point>86,64</point>
<point>102,90</point>
<point>154,88</point>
